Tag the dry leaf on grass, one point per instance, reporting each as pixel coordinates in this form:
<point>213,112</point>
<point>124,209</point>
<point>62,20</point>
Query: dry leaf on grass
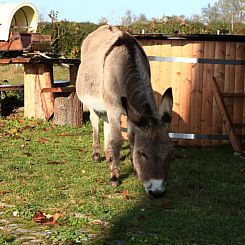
<point>42,140</point>
<point>47,219</point>
<point>125,194</point>
<point>99,222</point>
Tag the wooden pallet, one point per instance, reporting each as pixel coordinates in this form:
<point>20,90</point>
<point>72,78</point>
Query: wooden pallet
<point>229,126</point>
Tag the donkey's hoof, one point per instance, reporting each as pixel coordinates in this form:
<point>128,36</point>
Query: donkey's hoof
<point>96,157</point>
<point>114,181</point>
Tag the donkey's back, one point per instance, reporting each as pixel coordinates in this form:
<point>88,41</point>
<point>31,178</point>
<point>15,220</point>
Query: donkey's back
<point>110,60</point>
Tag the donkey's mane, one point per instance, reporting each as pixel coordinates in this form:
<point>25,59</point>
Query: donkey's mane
<point>137,77</point>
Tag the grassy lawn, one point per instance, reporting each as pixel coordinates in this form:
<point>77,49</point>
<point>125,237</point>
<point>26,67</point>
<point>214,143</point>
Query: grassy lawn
<point>14,74</point>
<point>49,169</point>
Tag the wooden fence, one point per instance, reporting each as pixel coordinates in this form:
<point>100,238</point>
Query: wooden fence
<point>188,64</point>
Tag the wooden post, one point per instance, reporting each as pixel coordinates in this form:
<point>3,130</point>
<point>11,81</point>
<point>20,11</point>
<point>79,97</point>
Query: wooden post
<point>36,77</point>
<point>73,73</point>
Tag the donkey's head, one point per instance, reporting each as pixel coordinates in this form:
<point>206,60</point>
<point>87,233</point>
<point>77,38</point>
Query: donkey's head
<point>151,146</point>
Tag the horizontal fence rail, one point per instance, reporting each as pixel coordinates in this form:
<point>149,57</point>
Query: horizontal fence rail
<point>196,60</point>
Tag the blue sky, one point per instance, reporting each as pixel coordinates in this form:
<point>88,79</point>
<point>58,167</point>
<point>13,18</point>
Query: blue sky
<point>113,10</point>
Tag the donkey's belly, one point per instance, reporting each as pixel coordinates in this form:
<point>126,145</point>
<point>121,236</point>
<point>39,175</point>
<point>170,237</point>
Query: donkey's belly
<point>93,102</point>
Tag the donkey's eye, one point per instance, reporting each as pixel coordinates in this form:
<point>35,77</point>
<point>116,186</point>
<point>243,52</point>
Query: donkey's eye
<point>143,155</point>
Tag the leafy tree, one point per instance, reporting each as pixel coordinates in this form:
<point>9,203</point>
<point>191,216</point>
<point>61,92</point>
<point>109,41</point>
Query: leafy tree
<point>67,36</point>
<point>128,19</point>
<point>224,13</point>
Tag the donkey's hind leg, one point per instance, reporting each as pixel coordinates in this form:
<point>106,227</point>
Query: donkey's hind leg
<point>95,120</point>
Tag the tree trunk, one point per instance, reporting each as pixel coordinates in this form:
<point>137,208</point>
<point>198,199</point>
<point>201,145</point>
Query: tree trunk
<point>68,109</point>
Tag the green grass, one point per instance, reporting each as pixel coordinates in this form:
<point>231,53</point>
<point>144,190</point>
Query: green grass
<point>49,168</point>
<point>15,74</point>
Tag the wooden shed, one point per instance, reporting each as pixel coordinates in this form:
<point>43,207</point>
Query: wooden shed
<point>191,64</point>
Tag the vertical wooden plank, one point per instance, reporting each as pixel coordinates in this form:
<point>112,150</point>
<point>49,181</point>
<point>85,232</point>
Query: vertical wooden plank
<point>165,69</point>
<point>73,73</point>
<point>37,104</point>
<point>241,49</point>
<point>185,90</point>
<point>160,82</point>
<point>219,75</point>
<point>157,84</point>
<point>176,82</point>
<point>196,92</point>
<point>207,95</point>
<point>158,78</point>
<point>29,90</point>
<point>239,87</point>
<point>229,84</point>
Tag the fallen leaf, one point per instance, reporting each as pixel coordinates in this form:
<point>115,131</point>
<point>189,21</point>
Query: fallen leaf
<point>47,219</point>
<point>43,140</point>
<point>167,205</point>
<point>63,134</point>
<point>39,217</point>
<point>26,127</point>
<point>33,124</point>
<point>125,194</point>
<point>56,216</point>
<point>242,170</point>
<point>22,121</point>
<point>99,222</point>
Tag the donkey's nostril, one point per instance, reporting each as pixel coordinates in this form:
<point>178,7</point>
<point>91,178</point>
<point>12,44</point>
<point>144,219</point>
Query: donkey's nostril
<point>156,194</point>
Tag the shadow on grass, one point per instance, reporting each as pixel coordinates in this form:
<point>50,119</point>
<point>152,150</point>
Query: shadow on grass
<point>204,204</point>
<point>9,101</point>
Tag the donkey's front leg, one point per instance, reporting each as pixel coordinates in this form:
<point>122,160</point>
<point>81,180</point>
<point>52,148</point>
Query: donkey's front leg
<point>115,146</point>
<point>95,120</point>
<point>107,141</point>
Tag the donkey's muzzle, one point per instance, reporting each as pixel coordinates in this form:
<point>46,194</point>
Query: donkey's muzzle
<point>155,187</point>
<point>156,194</point>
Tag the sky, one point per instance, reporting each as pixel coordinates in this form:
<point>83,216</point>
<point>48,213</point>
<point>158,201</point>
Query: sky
<point>113,10</point>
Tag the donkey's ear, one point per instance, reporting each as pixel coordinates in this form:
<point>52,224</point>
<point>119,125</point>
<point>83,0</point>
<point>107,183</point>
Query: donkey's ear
<point>166,106</point>
<point>134,116</point>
